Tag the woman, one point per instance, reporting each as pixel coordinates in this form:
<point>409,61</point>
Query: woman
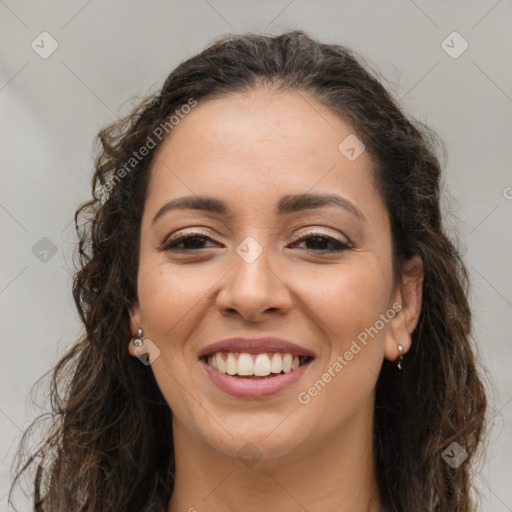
<point>275,318</point>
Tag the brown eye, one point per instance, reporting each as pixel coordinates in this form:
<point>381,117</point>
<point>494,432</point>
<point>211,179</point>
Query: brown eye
<point>192,241</point>
<point>320,242</point>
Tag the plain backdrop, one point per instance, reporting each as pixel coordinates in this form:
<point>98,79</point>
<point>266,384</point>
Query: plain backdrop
<point>110,52</point>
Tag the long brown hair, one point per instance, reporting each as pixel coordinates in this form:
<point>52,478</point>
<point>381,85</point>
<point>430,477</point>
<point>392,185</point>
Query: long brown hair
<point>110,444</point>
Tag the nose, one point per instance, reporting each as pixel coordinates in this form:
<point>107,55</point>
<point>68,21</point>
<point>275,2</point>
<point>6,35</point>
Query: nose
<point>254,289</point>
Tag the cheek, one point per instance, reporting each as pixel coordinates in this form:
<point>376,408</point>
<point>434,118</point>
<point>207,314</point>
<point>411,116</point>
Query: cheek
<point>348,298</point>
<point>349,305</point>
<point>171,305</point>
<point>170,298</point>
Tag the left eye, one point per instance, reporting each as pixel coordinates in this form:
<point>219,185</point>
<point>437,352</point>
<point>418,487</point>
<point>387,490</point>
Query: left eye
<point>323,240</point>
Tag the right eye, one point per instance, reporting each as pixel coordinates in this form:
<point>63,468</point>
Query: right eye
<point>190,242</point>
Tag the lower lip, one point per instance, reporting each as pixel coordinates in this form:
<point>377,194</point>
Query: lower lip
<point>254,388</point>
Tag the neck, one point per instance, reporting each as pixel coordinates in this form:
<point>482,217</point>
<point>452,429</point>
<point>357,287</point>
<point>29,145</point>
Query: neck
<point>335,473</point>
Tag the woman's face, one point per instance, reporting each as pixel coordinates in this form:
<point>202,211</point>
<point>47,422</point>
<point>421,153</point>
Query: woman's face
<point>247,273</point>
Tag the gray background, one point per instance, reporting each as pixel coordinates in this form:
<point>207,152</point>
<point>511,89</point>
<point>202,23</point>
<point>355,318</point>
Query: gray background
<point>111,51</point>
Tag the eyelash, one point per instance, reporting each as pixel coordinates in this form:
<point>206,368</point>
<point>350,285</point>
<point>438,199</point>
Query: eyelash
<point>170,245</point>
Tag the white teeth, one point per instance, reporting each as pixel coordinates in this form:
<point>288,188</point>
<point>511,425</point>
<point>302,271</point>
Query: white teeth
<point>245,365</point>
<point>262,365</point>
<point>221,365</point>
<point>287,363</point>
<point>231,364</point>
<point>277,363</point>
<point>259,365</point>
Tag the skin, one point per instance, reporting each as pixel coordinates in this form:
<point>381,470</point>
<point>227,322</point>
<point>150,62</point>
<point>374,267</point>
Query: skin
<point>249,150</point>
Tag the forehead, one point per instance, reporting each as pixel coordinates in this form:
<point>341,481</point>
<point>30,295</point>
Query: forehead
<point>245,121</point>
<point>253,147</point>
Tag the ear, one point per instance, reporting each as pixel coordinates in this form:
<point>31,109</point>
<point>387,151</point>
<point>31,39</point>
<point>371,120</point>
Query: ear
<point>408,295</point>
<point>135,323</point>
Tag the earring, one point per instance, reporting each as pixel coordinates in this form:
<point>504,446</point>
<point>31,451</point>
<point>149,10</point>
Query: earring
<point>138,338</point>
<point>400,357</point>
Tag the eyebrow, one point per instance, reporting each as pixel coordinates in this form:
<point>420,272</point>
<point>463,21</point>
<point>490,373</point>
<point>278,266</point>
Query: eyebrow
<point>290,203</point>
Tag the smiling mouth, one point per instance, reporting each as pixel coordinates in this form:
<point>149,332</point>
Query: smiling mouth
<point>255,366</point>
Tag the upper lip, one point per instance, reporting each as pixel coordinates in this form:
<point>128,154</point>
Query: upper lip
<point>256,346</point>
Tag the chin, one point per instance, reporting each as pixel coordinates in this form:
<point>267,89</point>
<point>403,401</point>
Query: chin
<point>268,438</point>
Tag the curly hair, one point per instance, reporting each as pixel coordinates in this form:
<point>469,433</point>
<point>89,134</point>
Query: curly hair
<point>110,447</point>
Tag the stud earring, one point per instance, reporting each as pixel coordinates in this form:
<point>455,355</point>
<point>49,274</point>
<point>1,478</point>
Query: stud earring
<point>400,357</point>
<point>138,338</point>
